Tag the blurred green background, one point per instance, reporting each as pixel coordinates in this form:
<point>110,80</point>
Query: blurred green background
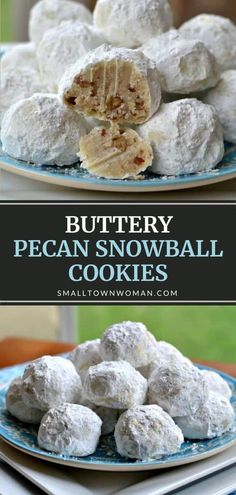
<point>5,25</point>
<point>200,332</point>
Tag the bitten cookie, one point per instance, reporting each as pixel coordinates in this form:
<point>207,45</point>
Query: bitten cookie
<point>113,84</point>
<point>47,14</point>
<point>70,429</point>
<point>18,408</point>
<point>186,137</point>
<point>146,432</point>
<point>115,153</point>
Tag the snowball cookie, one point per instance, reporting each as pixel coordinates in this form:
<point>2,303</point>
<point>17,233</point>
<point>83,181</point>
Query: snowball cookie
<point>86,355</point>
<point>49,381</point>
<point>62,47</point>
<point>114,384</point>
<point>18,408</point>
<point>223,99</point>
<point>217,33</point>
<point>108,416</point>
<point>186,137</point>
<point>215,383</point>
<point>22,55</point>
<point>131,23</point>
<point>179,388</point>
<point>146,432</point>
<point>129,341</point>
<point>114,84</point>
<point>165,353</point>
<point>47,14</point>
<point>185,66</point>
<point>17,83</point>
<point>115,153</point>
<point>212,419</point>
<point>41,130</point>
<point>70,429</point>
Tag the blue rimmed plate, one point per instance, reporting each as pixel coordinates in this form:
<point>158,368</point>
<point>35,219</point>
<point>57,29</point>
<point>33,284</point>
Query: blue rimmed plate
<point>75,177</point>
<point>24,437</point>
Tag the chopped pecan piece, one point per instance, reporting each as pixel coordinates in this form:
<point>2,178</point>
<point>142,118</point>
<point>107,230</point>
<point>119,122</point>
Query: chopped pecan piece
<point>131,88</point>
<point>114,102</point>
<point>120,143</point>
<point>103,132</point>
<point>139,103</point>
<point>71,100</point>
<point>82,83</point>
<point>138,160</point>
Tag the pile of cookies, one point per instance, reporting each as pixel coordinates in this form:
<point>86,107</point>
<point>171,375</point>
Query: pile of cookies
<point>121,89</point>
<point>143,390</point>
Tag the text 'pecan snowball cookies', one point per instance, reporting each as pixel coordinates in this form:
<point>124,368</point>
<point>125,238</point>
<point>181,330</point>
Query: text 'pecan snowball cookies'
<point>70,429</point>
<point>41,130</point>
<point>86,355</point>
<point>186,137</point>
<point>215,383</point>
<point>22,55</point>
<point>49,381</point>
<point>113,84</point>
<point>178,387</point>
<point>115,153</point>
<point>131,23</point>
<point>217,33</point>
<point>17,83</point>
<point>47,14</point>
<point>185,66</point>
<point>223,99</point>
<point>62,47</point>
<point>18,408</point>
<point>211,420</point>
<point>114,384</point>
<point>129,341</point>
<point>146,432</point>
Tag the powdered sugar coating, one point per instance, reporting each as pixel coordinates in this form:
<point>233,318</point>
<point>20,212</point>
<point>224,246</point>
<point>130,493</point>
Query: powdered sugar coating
<point>61,47</point>
<point>70,429</point>
<point>131,23</point>
<point>17,83</point>
<point>18,408</point>
<point>146,432</point>
<point>215,383</point>
<point>128,341</point>
<point>223,99</point>
<point>105,54</point>
<point>186,136</point>
<point>49,381</point>
<point>108,416</point>
<point>217,33</point>
<point>86,355</point>
<point>47,14</point>
<point>211,420</point>
<point>185,66</point>
<point>178,387</point>
<point>166,354</point>
<point>22,55</point>
<point>114,384</point>
<point>41,130</point>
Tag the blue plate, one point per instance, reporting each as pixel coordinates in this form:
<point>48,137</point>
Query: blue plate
<point>75,177</point>
<point>24,437</point>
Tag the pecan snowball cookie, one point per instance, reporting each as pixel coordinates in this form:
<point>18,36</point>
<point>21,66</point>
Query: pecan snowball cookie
<point>47,14</point>
<point>146,432</point>
<point>164,353</point>
<point>22,55</point>
<point>178,387</point>
<point>41,130</point>
<point>217,33</point>
<point>212,419</point>
<point>108,416</point>
<point>62,47</point>
<point>129,341</point>
<point>17,83</point>
<point>223,99</point>
<point>114,384</point>
<point>86,355</point>
<point>131,23</point>
<point>215,383</point>
<point>113,84</point>
<point>115,153</point>
<point>49,381</point>
<point>185,66</point>
<point>186,137</point>
<point>18,408</point>
<point>70,429</point>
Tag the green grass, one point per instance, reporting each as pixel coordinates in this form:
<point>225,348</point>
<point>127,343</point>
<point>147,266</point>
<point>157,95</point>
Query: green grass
<point>201,332</point>
<point>5,23</point>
